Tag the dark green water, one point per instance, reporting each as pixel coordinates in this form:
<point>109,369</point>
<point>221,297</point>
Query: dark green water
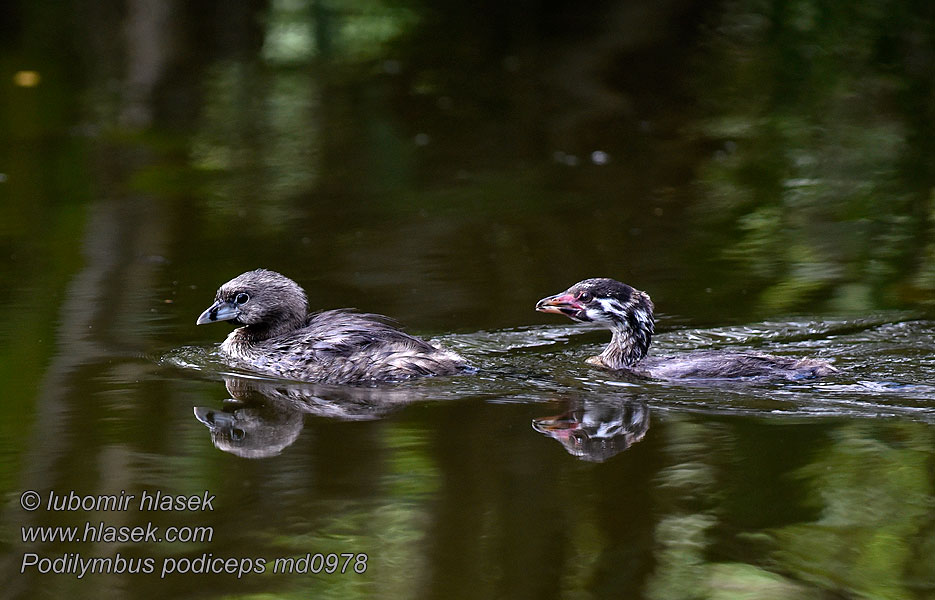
<point>764,170</point>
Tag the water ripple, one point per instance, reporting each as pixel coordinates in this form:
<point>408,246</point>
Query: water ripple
<point>884,361</point>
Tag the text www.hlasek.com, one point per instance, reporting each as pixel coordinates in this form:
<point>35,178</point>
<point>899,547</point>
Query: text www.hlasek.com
<point>101,532</point>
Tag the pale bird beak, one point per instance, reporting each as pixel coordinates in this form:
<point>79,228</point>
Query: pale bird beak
<point>219,311</point>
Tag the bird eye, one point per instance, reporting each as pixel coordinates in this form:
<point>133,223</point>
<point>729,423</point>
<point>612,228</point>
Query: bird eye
<point>241,298</point>
<point>237,434</point>
<point>585,296</point>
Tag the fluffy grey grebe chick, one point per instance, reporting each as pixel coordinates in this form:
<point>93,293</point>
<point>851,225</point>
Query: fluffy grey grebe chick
<point>277,336</point>
<point>628,313</point>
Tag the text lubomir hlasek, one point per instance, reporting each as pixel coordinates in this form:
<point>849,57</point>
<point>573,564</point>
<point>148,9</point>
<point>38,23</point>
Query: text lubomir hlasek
<point>148,501</point>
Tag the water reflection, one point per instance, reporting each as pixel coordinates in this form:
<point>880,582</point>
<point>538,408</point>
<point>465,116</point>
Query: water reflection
<point>596,429</point>
<point>432,163</point>
<point>262,418</point>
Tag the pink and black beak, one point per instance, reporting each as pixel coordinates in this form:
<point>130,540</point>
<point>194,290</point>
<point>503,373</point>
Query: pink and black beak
<point>564,304</point>
<point>559,427</point>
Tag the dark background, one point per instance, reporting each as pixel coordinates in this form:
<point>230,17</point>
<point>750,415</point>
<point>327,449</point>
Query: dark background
<point>764,169</point>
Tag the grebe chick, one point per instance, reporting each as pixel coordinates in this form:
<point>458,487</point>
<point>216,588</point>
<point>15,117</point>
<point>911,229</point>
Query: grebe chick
<point>628,313</point>
<point>277,336</point>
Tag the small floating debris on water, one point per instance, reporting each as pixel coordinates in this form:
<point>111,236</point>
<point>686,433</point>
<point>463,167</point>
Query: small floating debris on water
<point>599,157</point>
<point>26,79</point>
<point>569,160</point>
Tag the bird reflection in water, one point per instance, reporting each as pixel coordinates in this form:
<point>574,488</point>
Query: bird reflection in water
<point>596,429</point>
<point>262,418</point>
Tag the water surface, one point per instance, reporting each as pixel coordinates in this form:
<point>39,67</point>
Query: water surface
<point>764,172</point>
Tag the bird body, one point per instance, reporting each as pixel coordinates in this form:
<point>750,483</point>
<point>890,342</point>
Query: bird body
<point>277,336</point>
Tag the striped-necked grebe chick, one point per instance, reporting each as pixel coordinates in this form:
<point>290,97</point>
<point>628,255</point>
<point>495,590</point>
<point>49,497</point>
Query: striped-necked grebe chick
<point>277,336</point>
<point>628,313</point>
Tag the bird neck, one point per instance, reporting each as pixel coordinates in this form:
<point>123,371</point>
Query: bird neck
<point>628,345</point>
<point>276,326</point>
